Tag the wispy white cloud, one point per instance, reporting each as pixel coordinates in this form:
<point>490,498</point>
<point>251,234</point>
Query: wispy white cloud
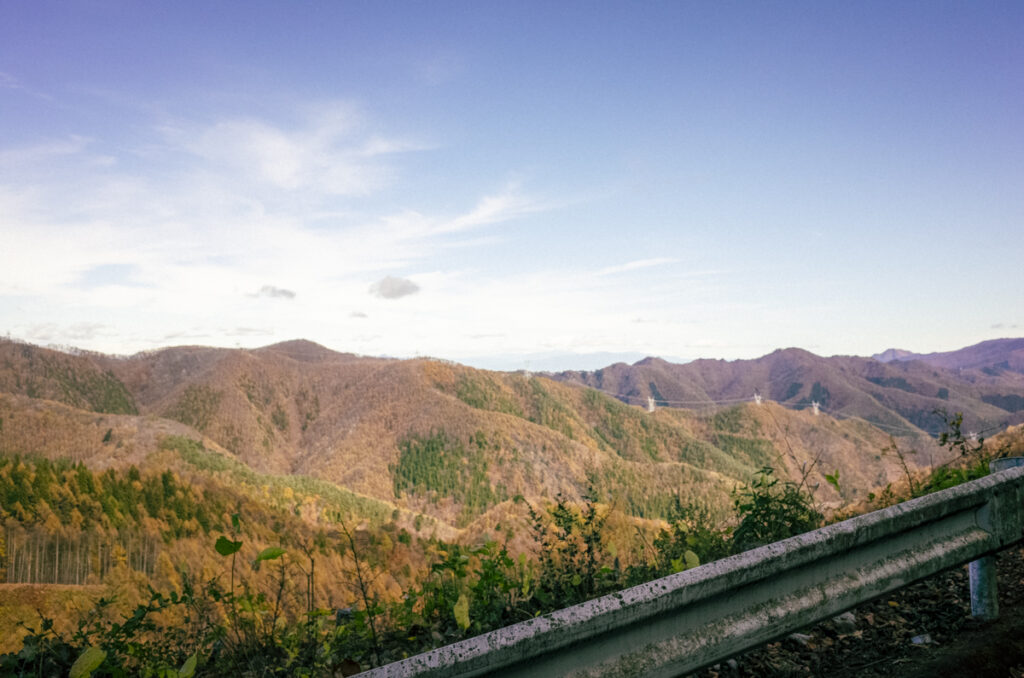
<point>637,264</point>
<point>18,158</point>
<point>376,146</point>
<point>248,332</point>
<point>229,205</point>
<point>322,158</point>
<point>11,82</point>
<point>56,332</point>
<point>218,209</point>
<point>491,209</point>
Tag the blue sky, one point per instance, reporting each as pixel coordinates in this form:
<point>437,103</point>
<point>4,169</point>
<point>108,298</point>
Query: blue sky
<point>513,184</point>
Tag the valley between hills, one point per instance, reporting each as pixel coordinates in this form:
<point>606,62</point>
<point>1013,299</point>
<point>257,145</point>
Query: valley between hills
<point>121,471</point>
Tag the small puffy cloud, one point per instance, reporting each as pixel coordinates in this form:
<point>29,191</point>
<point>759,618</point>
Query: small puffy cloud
<point>275,292</point>
<point>1005,326</point>
<point>391,287</point>
<point>357,314</point>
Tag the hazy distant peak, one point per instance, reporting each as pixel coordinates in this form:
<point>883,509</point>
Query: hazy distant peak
<point>791,352</point>
<point>894,354</point>
<point>651,360</point>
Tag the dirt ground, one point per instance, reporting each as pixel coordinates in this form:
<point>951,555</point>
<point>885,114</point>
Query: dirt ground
<point>922,631</point>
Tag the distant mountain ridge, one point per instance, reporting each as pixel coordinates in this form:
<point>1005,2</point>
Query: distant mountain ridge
<point>899,394</point>
<point>991,357</point>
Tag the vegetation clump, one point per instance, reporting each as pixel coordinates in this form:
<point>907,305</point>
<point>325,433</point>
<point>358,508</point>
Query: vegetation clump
<point>971,461</point>
<point>438,465</point>
<point>483,392</point>
<point>771,510</point>
<point>64,523</point>
<point>197,406</point>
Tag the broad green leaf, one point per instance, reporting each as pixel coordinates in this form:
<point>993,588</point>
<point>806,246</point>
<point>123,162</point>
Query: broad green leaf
<point>527,575</point>
<point>188,669</point>
<point>461,610</point>
<point>226,547</point>
<point>576,579</point>
<point>236,523</point>
<point>87,662</point>
<point>677,565</point>
<point>270,553</point>
<point>691,559</point>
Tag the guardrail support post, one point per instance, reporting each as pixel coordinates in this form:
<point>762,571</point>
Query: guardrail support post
<point>984,592</point>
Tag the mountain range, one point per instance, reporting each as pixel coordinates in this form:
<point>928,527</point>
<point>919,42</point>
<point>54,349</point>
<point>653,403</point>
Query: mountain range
<point>897,391</point>
<point>991,357</point>
<point>460,445</point>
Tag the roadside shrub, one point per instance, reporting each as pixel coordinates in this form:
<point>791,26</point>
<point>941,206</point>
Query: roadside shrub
<point>770,510</point>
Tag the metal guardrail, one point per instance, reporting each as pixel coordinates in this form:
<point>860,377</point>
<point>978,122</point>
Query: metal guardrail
<point>686,621</point>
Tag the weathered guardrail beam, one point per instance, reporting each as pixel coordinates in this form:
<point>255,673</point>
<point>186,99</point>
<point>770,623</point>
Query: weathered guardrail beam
<point>681,623</point>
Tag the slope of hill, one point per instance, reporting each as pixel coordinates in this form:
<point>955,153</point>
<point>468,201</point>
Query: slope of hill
<point>75,380</point>
<point>899,396</point>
